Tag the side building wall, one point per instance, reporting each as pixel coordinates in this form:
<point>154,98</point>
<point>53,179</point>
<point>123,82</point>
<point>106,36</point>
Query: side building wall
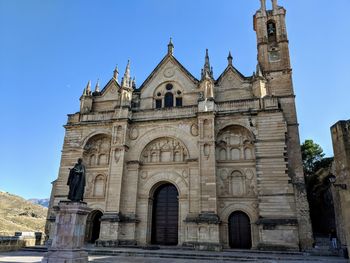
<point>341,147</point>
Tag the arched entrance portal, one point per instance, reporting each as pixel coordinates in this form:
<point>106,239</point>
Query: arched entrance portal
<point>239,230</point>
<point>93,224</point>
<point>165,215</point>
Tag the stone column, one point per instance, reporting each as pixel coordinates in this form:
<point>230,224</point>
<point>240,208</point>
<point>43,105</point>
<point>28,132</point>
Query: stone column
<point>69,233</point>
<point>110,227</point>
<point>207,221</point>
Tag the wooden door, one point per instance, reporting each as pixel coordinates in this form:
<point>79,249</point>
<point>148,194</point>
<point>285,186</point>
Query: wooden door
<point>239,230</point>
<point>165,215</point>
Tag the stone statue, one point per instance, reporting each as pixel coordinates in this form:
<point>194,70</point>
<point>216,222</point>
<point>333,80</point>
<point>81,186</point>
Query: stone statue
<point>76,182</point>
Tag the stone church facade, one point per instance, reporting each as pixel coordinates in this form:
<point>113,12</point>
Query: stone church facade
<point>207,163</point>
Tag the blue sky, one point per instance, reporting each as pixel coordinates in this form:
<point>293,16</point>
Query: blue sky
<point>50,49</point>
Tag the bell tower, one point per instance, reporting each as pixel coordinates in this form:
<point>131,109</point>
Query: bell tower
<point>274,63</point>
<point>273,47</point>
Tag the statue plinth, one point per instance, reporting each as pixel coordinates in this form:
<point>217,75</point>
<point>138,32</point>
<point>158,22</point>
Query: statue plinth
<point>69,234</point>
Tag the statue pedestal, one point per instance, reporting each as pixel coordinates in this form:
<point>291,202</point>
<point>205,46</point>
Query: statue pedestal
<point>69,234</point>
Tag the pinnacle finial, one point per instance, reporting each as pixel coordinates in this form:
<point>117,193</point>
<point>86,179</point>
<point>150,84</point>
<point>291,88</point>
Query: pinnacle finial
<point>116,73</point>
<point>126,79</point>
<point>274,5</point>
<point>87,90</point>
<point>263,5</point>
<point>207,71</point>
<point>171,46</point>
<point>229,58</point>
<point>97,87</point>
<point>133,83</point>
<point>258,70</point>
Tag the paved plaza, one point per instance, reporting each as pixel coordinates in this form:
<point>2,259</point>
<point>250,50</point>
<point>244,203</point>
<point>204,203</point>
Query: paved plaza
<point>35,257</point>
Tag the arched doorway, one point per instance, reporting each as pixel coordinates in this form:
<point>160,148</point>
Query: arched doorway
<point>93,225</point>
<point>239,230</point>
<point>165,215</point>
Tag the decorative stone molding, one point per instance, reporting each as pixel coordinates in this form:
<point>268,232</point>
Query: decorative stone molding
<point>207,217</point>
<point>119,217</point>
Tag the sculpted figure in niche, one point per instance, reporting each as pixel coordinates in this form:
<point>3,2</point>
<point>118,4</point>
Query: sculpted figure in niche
<point>76,182</point>
<point>208,91</point>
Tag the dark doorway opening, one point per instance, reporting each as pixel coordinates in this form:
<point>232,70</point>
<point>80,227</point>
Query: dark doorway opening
<point>93,226</point>
<point>239,230</point>
<point>165,215</point>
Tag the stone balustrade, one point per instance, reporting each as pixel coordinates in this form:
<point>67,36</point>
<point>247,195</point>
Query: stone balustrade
<point>257,104</point>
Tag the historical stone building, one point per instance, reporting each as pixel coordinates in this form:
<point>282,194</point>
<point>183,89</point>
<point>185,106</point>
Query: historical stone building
<point>206,162</point>
<point>341,173</point>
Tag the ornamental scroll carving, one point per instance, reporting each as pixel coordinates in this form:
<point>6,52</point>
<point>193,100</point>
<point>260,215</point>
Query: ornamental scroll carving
<point>97,150</point>
<point>164,150</point>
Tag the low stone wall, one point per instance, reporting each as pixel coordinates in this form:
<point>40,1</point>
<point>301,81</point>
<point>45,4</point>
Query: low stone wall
<point>20,240</point>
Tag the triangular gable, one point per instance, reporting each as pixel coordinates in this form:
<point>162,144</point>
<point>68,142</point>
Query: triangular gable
<point>161,63</point>
<point>110,90</point>
<point>232,77</point>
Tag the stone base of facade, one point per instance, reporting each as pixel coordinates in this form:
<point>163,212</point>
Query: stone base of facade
<point>205,246</point>
<point>65,256</point>
<point>116,243</point>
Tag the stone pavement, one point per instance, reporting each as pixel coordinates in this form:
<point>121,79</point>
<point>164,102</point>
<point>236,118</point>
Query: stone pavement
<point>35,257</point>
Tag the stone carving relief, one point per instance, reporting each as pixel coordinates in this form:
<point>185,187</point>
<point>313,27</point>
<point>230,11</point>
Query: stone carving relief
<point>95,186</point>
<point>117,154</point>
<point>134,133</point>
<point>89,185</point>
<point>144,175</point>
<point>99,186</point>
<point>117,134</point>
<point>207,129</point>
<point>169,72</point>
<point>206,150</point>
<point>237,183</point>
<point>234,143</point>
<point>164,150</point>
<point>194,129</point>
<point>97,150</point>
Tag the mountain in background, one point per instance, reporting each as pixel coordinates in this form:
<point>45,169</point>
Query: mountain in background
<point>19,215</point>
<point>44,202</point>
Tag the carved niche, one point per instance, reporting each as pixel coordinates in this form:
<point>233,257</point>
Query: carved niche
<point>234,143</point>
<point>237,183</point>
<point>97,150</point>
<point>164,150</point>
<point>95,186</point>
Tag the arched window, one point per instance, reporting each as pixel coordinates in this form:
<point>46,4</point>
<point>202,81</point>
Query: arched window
<point>168,100</point>
<point>271,32</point>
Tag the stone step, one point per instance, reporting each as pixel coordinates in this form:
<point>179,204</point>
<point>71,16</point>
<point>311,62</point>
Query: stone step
<point>240,255</point>
<point>226,255</point>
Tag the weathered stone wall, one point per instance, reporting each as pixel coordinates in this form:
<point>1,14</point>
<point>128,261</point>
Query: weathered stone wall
<point>20,240</point>
<point>341,147</point>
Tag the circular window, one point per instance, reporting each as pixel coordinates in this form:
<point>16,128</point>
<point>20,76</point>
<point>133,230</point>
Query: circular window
<point>159,94</point>
<point>169,87</point>
<point>178,92</point>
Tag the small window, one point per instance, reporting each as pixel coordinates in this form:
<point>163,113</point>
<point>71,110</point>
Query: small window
<point>169,87</point>
<point>168,100</point>
<point>178,102</point>
<point>159,94</point>
<point>158,104</point>
<point>178,92</point>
